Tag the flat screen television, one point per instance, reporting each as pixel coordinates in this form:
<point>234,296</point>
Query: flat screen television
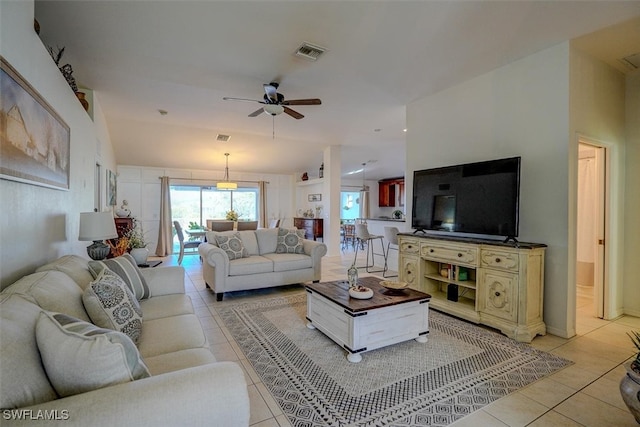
<point>476,198</point>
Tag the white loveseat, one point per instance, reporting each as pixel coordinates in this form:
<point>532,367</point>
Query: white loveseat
<point>186,387</point>
<point>262,266</point>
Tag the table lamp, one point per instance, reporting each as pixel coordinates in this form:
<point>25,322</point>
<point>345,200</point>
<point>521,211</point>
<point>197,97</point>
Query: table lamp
<point>97,226</point>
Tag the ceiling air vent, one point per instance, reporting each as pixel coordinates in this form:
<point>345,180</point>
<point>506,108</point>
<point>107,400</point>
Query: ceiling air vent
<point>309,51</point>
<point>632,62</point>
<point>222,138</point>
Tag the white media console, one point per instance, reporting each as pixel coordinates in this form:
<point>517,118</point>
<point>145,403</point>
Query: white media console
<point>492,283</point>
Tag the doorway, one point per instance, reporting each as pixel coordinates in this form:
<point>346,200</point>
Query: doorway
<point>591,223</point>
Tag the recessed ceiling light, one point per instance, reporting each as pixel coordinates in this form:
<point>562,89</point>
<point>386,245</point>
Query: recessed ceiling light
<point>163,112</point>
<point>377,130</point>
<point>223,138</point>
<point>404,130</point>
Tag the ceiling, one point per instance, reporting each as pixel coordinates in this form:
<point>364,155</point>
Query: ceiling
<point>184,57</point>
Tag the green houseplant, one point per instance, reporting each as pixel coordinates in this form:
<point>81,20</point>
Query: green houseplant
<point>630,383</point>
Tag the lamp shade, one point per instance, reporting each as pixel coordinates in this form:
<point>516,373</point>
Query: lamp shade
<point>97,226</point>
<point>226,185</point>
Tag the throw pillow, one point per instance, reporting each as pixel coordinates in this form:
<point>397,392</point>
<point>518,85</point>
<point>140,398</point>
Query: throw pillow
<point>80,357</point>
<point>127,268</point>
<point>232,245</point>
<point>110,304</point>
<point>290,241</point>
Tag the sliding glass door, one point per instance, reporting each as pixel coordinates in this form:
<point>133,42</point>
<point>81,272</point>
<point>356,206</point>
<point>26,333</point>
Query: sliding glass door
<point>196,204</point>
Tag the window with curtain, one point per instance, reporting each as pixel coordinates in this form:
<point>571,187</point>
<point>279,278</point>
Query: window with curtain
<point>194,203</point>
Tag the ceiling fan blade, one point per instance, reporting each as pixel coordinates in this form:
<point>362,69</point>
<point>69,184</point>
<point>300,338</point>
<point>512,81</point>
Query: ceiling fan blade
<point>228,98</point>
<point>293,113</point>
<point>310,101</point>
<point>272,92</point>
<point>257,112</point>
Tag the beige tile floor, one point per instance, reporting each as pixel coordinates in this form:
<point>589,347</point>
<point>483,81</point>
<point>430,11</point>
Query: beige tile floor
<point>584,394</point>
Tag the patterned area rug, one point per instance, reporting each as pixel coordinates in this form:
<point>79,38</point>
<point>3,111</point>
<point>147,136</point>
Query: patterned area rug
<point>459,370</point>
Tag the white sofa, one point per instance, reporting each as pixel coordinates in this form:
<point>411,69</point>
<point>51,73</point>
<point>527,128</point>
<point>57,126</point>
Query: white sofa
<point>263,267</point>
<point>186,387</point>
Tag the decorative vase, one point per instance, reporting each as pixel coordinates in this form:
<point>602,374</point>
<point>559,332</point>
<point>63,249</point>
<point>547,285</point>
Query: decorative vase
<point>140,255</point>
<point>630,390</point>
<point>305,177</point>
<point>83,101</point>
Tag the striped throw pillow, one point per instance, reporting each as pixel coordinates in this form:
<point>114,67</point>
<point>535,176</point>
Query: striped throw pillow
<point>125,267</point>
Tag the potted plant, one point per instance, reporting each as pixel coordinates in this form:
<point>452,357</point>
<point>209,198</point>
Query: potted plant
<point>137,243</point>
<point>630,384</point>
<point>232,215</point>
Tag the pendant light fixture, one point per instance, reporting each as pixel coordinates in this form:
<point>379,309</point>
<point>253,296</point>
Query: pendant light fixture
<point>364,197</point>
<point>225,184</point>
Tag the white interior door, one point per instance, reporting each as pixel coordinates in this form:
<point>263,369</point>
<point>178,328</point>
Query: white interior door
<point>599,267</point>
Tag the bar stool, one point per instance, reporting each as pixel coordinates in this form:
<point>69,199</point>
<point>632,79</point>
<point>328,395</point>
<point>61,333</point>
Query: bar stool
<point>363,236</point>
<point>391,234</point>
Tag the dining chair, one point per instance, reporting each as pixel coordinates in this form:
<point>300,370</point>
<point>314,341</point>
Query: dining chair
<point>191,244</point>
<point>247,225</point>
<point>363,237</point>
<point>274,223</point>
<point>348,235</point>
<point>391,236</point>
<point>221,225</point>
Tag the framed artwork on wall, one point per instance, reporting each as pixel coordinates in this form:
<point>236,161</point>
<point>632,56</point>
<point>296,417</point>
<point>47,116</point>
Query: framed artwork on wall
<point>34,140</point>
<point>315,197</point>
<point>111,188</point>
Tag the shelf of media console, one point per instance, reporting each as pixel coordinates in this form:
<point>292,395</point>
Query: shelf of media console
<point>465,284</point>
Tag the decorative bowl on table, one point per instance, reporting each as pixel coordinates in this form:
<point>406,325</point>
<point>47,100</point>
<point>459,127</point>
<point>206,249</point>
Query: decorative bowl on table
<point>393,288</point>
<point>360,292</point>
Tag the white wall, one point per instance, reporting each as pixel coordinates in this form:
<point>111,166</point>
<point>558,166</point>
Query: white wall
<point>631,287</point>
<point>597,112</point>
<point>40,224</point>
<point>521,109</point>
<point>140,186</point>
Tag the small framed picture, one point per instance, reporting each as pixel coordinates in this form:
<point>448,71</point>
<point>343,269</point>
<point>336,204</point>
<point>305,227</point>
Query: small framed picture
<point>315,197</point>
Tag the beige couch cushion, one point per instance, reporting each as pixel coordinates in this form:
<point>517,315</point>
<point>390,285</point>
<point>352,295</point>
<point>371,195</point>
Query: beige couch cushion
<point>79,357</point>
<point>251,265</point>
<point>53,291</point>
<point>24,381</point>
<point>165,306</point>
<point>73,266</point>
<point>287,262</point>
<point>169,334</point>
<point>182,359</point>
<point>249,241</point>
<point>267,240</point>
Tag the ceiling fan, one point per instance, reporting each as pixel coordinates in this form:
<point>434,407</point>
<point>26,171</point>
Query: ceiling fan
<point>274,102</point>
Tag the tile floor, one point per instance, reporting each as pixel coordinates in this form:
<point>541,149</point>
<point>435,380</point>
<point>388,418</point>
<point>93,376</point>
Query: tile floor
<point>584,394</point>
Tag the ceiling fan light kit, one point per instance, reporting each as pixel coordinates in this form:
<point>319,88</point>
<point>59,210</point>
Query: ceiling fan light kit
<point>225,184</point>
<point>273,109</point>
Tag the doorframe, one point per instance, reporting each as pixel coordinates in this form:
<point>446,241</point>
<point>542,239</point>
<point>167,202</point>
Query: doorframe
<point>599,211</point>
<point>609,150</point>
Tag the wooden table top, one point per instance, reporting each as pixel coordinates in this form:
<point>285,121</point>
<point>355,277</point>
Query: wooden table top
<point>338,292</point>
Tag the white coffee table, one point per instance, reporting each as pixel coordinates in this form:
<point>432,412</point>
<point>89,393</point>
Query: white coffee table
<point>359,326</point>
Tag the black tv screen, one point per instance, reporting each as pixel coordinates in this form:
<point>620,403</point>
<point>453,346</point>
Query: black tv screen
<point>476,198</point>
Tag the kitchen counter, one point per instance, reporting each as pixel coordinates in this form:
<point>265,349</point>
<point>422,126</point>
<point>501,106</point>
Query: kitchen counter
<point>386,219</point>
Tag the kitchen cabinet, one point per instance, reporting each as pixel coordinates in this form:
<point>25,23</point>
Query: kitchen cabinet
<point>391,192</point>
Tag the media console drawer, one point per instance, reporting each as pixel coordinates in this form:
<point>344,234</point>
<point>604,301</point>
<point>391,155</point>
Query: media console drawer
<point>455,254</point>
